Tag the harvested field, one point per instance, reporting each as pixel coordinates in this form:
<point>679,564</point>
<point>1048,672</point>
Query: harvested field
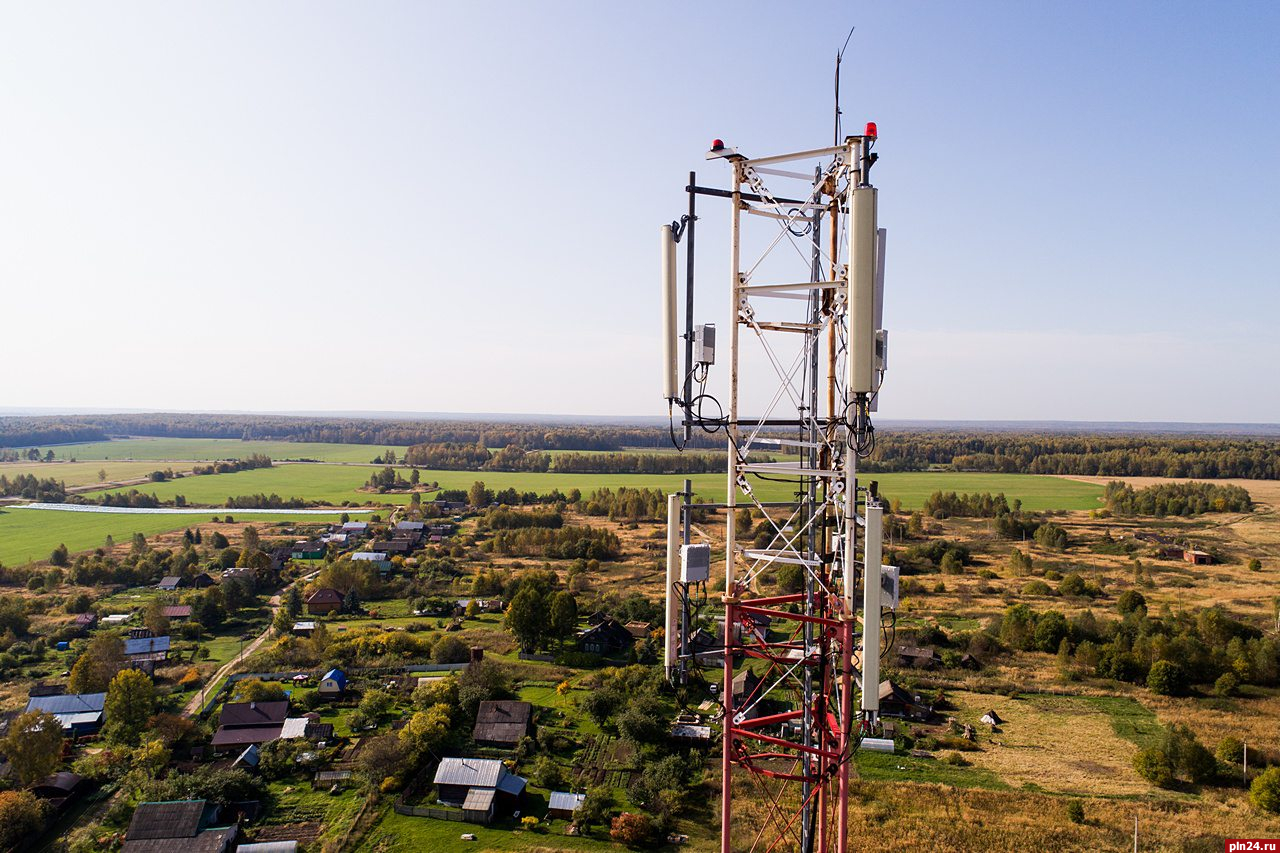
<point>1062,744</point>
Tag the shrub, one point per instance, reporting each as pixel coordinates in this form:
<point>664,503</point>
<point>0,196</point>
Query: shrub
<point>1072,584</point>
<point>1036,588</point>
<point>1051,630</point>
<point>951,563</point>
<point>1075,811</point>
<point>1255,565</point>
<point>631,828</point>
<point>1153,764</point>
<point>1131,601</point>
<point>1167,678</point>
<point>1051,536</point>
<point>1228,684</point>
<point>955,759</point>
<point>450,650</point>
<point>1230,750</point>
<point>1264,793</point>
<point>546,773</point>
<point>21,816</point>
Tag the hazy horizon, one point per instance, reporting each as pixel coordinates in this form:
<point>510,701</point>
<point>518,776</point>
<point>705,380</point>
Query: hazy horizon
<point>1243,428</point>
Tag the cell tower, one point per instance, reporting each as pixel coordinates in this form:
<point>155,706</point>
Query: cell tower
<point>800,665</point>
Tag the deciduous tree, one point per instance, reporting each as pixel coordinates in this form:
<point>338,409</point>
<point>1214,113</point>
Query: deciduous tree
<point>33,745</point>
<point>131,700</point>
<point>97,665</point>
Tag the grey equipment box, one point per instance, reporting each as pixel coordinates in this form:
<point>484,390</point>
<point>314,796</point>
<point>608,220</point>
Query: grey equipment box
<point>695,563</point>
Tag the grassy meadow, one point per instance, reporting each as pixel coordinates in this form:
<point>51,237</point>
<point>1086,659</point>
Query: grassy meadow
<point>83,473</point>
<point>27,535</point>
<point>202,449</point>
<point>337,483</point>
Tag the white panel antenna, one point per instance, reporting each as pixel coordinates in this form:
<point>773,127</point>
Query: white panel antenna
<point>671,368</point>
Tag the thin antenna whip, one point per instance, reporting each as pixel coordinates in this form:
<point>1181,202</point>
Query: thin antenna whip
<point>839,56</point>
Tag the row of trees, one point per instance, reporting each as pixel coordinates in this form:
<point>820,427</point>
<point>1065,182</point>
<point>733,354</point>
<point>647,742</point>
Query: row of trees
<point>565,543</point>
<point>33,488</point>
<point>976,505</point>
<point>1168,654</point>
<point>1183,499</point>
<point>505,519</point>
<point>230,466</point>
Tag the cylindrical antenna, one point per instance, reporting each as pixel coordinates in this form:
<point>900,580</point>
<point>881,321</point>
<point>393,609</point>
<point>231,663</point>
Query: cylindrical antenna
<point>872,556</point>
<point>671,382</point>
<point>672,637</point>
<point>862,290</point>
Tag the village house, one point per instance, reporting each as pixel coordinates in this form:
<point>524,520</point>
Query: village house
<point>481,787</point>
<point>392,547</point>
<point>59,789</point>
<point>308,550</point>
<point>333,684</point>
<point>609,637</point>
<point>85,621</point>
<point>896,701</point>
<point>145,652</point>
<point>691,734</point>
<point>502,723</point>
<point>918,657</point>
<point>324,600</point>
<point>243,723</point>
<point>78,713</point>
<point>177,612</point>
<point>563,805</point>
<point>377,558</point>
<point>639,630</point>
<point>249,576</point>
<point>354,529</point>
<point>184,825</point>
<point>484,605</point>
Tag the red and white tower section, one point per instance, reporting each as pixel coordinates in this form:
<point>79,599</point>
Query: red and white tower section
<point>795,672</point>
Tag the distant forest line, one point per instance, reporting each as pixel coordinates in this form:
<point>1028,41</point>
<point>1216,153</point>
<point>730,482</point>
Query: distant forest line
<point>460,445</point>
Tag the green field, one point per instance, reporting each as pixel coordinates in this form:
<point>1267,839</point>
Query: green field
<point>27,535</point>
<point>336,483</point>
<point>31,535</point>
<point>84,473</point>
<point>197,449</point>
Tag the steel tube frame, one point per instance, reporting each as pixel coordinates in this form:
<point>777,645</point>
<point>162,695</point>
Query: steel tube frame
<point>818,649</point>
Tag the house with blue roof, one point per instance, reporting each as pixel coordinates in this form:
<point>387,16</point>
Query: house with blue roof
<point>77,713</point>
<point>333,684</point>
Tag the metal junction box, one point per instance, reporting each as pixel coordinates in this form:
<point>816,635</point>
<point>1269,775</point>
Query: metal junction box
<point>695,563</point>
<point>704,344</point>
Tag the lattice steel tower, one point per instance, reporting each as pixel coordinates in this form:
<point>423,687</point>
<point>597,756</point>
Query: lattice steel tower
<point>800,668</point>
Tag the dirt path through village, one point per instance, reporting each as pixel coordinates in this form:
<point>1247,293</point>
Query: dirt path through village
<point>197,701</point>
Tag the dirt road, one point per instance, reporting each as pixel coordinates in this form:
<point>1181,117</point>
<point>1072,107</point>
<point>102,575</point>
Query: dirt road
<point>197,701</point>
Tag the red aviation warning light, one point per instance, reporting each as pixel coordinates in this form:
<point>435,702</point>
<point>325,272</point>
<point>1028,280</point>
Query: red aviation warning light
<point>717,144</point>
<point>871,130</point>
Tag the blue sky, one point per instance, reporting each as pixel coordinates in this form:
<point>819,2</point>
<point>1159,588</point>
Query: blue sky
<point>453,207</point>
